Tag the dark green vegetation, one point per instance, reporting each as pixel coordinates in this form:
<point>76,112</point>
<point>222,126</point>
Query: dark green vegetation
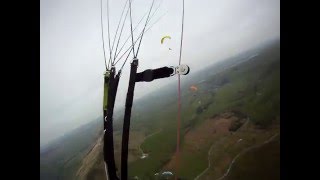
<point>248,84</point>
<point>263,160</point>
<point>61,159</point>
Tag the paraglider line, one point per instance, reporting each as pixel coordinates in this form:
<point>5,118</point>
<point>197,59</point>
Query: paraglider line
<point>135,29</point>
<point>179,100</point>
<point>144,28</point>
<point>178,128</point>
<point>139,37</point>
<point>108,33</point>
<point>104,51</point>
<point>131,29</point>
<point>116,54</point>
<point>114,39</point>
<point>181,33</point>
<point>125,60</point>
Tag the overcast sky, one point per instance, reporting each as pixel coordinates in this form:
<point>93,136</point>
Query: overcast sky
<point>72,63</point>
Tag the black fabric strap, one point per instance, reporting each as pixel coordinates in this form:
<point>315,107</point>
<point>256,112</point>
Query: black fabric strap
<point>108,148</point>
<point>151,74</point>
<point>147,75</point>
<point>126,121</point>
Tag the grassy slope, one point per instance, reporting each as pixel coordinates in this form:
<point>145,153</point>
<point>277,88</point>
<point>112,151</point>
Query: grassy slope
<point>251,87</point>
<point>264,163</point>
<point>62,159</point>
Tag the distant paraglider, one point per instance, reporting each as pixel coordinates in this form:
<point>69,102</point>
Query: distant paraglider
<point>193,88</point>
<point>163,40</point>
<point>164,37</point>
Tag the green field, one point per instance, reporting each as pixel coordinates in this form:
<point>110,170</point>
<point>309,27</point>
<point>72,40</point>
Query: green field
<point>251,88</point>
<point>264,163</point>
<point>239,97</point>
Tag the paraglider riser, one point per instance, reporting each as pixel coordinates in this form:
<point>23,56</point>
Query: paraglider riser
<point>145,76</point>
<point>108,126</point>
<point>126,122</point>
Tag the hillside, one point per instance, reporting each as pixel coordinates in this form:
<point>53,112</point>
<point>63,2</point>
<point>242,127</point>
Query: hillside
<point>235,111</point>
<point>61,159</point>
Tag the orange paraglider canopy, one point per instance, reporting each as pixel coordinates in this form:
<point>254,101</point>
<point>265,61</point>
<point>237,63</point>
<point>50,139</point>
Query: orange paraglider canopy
<point>193,88</point>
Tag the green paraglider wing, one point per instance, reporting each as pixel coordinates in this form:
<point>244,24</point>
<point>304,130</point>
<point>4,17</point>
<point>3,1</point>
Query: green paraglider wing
<point>164,37</point>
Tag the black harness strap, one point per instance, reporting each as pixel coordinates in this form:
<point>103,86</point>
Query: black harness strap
<point>147,75</point>
<point>126,122</point>
<point>108,149</point>
<point>151,74</point>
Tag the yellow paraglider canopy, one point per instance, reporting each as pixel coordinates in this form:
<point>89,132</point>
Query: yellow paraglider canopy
<point>164,37</point>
